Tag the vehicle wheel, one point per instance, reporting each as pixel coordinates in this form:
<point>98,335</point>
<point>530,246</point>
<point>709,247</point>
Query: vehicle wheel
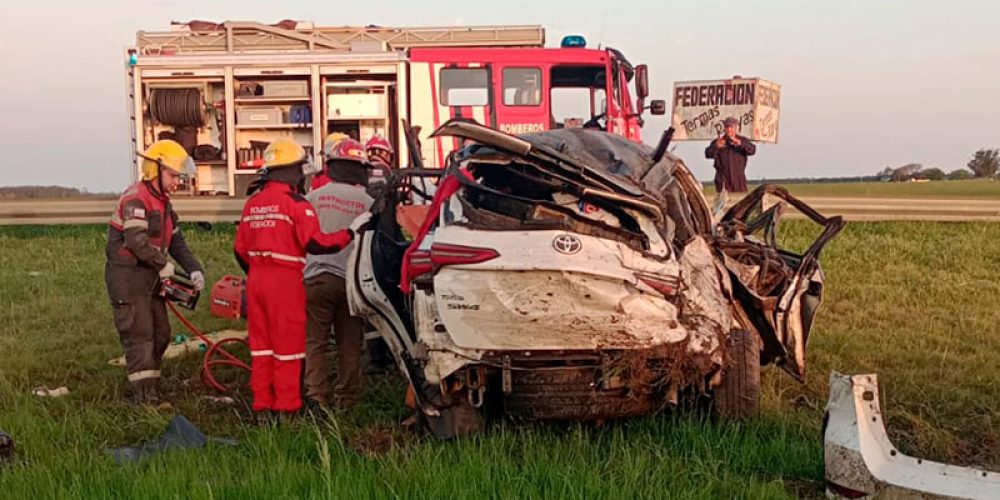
<point>738,396</point>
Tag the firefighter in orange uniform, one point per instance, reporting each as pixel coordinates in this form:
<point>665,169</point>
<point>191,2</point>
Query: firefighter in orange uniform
<point>277,229</point>
<point>142,233</point>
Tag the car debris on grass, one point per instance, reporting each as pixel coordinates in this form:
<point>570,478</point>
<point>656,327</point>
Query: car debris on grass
<point>45,392</point>
<point>861,462</point>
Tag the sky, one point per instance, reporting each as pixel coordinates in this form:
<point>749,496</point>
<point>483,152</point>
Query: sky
<point>865,83</point>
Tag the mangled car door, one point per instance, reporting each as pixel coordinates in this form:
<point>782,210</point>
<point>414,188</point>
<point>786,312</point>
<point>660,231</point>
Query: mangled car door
<point>778,292</point>
<point>373,284</point>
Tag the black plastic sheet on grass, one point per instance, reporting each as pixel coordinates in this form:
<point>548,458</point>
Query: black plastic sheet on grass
<point>179,434</point>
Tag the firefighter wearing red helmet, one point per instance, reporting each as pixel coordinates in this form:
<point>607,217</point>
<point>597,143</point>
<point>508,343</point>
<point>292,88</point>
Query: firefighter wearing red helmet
<point>143,234</point>
<point>380,155</point>
<point>379,150</point>
<point>278,227</point>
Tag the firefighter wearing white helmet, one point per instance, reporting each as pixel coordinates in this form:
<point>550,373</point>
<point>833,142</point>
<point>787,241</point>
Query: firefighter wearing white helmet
<point>143,235</point>
<point>277,228</point>
<point>338,202</point>
<point>329,145</point>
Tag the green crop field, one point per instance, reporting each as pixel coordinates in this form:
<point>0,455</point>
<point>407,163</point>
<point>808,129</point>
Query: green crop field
<point>974,189</point>
<point>918,303</point>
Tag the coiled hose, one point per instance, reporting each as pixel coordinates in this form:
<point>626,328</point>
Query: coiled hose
<point>177,107</point>
<point>228,359</point>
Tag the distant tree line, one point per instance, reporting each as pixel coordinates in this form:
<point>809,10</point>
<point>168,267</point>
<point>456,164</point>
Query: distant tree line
<point>20,192</point>
<point>812,180</point>
<point>985,164</point>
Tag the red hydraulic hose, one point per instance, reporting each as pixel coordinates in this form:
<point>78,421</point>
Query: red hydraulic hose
<point>213,347</point>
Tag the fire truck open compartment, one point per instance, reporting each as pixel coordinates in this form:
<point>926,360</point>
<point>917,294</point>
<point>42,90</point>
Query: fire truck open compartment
<point>249,84</point>
<point>361,106</point>
<point>230,89</point>
<point>179,109</point>
<point>233,88</point>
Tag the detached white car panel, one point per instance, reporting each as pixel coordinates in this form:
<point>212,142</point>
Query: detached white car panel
<point>862,463</point>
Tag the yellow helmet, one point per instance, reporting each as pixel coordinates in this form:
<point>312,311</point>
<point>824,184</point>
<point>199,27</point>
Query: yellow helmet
<point>166,154</point>
<point>283,153</point>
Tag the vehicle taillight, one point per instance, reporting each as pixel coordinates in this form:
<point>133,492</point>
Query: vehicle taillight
<point>443,254</point>
<point>667,286</point>
<point>420,263</point>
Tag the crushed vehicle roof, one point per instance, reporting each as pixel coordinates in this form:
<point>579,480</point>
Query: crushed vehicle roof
<point>605,162</point>
<point>568,149</point>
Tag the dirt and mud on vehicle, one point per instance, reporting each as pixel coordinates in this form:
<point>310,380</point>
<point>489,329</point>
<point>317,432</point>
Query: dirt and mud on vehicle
<point>575,275</point>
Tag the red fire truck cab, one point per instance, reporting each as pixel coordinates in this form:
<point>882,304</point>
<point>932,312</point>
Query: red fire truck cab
<point>522,90</point>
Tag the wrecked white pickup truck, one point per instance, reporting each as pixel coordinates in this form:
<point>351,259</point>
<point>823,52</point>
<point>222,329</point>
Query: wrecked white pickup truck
<point>574,275</point>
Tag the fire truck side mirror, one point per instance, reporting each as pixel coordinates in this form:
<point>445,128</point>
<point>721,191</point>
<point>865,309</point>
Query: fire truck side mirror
<point>642,81</point>
<point>658,107</point>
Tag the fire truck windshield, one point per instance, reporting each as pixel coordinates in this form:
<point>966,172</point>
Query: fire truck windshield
<point>578,95</point>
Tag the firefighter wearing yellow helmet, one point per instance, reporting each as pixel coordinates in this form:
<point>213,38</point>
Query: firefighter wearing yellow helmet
<point>142,237</point>
<point>165,154</point>
<point>277,228</point>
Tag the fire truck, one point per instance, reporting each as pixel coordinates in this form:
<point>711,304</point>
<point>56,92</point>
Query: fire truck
<point>224,91</point>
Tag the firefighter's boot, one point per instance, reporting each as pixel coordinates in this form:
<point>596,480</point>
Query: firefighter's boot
<point>147,393</point>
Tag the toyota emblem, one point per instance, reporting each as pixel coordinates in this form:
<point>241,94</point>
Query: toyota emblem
<point>567,244</point>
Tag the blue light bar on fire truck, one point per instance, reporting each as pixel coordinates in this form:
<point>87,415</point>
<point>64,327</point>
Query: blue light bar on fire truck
<point>573,41</point>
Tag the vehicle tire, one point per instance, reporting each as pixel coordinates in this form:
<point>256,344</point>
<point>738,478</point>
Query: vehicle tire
<point>738,396</point>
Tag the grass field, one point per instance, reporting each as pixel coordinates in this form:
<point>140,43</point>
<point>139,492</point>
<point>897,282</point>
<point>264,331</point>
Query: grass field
<point>975,189</point>
<point>919,303</point>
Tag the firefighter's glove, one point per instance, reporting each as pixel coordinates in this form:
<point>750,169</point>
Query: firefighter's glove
<point>360,223</point>
<point>167,270</point>
<point>198,279</point>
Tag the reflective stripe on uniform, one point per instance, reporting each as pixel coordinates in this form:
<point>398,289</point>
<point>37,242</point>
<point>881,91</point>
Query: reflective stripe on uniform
<point>258,217</point>
<point>139,223</point>
<point>275,255</point>
<point>143,375</point>
<point>279,357</point>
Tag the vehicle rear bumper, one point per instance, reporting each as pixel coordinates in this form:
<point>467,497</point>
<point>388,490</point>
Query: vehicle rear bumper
<point>589,385</point>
